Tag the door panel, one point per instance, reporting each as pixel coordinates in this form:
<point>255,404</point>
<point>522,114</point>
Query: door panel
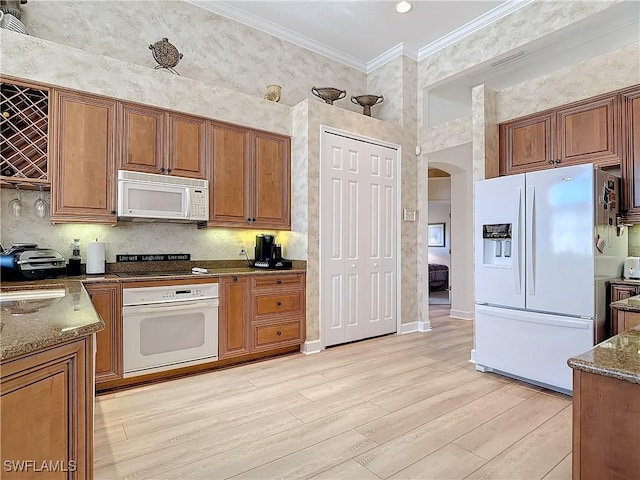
<point>560,231</point>
<point>358,239</point>
<point>187,146</point>
<point>499,278</point>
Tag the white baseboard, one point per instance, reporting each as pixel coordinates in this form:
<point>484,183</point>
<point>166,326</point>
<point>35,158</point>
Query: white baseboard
<point>311,347</point>
<point>414,327</point>
<point>473,356</point>
<point>461,314</point>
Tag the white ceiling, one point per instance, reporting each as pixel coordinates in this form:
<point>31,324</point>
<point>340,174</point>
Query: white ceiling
<point>363,34</point>
<point>367,34</point>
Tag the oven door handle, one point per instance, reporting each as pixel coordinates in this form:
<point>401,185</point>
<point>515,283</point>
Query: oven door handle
<point>177,307</point>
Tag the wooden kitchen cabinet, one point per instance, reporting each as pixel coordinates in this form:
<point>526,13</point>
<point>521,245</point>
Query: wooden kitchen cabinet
<point>161,142</point>
<point>142,133</point>
<point>272,173</point>
<point>107,300</point>
<point>278,310</point>
<point>47,412</point>
<point>83,159</point>
<point>589,132</point>
<point>583,132</point>
<point>249,179</point>
<point>527,144</point>
<point>618,323</point>
<point>187,145</point>
<point>631,155</point>
<point>606,433</point>
<point>234,323</point>
<point>626,321</point>
<point>229,167</point>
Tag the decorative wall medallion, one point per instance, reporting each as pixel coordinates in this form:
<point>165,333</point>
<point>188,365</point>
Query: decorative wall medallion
<point>166,55</point>
<point>273,93</point>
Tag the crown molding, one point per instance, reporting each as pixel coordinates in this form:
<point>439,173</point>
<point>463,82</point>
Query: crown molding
<point>231,12</point>
<point>471,27</point>
<point>393,52</point>
<point>241,16</point>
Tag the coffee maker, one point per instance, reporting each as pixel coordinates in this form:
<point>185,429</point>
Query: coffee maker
<point>269,254</point>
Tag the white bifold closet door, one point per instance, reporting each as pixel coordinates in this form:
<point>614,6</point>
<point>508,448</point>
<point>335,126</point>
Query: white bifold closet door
<point>358,235</point>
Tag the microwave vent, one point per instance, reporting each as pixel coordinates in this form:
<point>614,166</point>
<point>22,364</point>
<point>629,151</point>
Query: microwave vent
<point>162,179</point>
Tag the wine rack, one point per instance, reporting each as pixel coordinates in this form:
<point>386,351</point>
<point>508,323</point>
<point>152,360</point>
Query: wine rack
<point>24,135</point>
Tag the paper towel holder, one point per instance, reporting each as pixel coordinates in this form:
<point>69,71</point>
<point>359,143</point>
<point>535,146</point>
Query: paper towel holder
<point>96,258</point>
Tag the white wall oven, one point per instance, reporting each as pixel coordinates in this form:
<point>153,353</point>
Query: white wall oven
<point>167,327</point>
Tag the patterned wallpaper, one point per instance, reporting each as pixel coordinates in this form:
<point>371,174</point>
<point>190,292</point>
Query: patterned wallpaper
<point>533,21</point>
<point>217,51</point>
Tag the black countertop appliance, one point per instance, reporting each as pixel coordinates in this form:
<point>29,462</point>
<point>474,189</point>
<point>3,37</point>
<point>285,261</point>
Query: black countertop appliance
<point>269,254</point>
<point>27,261</point>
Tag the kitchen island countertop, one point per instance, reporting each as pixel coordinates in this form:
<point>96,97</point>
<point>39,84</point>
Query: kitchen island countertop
<point>631,304</point>
<point>27,326</point>
<point>617,357</point>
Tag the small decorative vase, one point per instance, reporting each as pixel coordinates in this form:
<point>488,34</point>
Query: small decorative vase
<point>273,93</point>
<point>329,94</point>
<point>366,102</point>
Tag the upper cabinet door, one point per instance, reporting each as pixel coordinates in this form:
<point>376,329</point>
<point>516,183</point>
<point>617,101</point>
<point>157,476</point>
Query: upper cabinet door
<point>187,146</point>
<point>142,131</point>
<point>229,175</point>
<point>272,173</point>
<point>527,144</point>
<point>588,132</point>
<point>631,155</point>
<point>84,186</point>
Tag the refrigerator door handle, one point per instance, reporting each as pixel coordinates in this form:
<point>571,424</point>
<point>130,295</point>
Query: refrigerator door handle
<point>515,248</point>
<point>530,246</point>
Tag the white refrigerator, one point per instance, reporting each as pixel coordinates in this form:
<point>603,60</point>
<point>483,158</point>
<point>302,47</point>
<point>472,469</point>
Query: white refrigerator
<point>546,243</point>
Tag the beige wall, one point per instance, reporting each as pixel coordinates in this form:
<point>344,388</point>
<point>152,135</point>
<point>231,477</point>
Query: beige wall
<point>217,51</point>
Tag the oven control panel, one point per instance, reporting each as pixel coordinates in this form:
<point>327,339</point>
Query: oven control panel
<point>167,293</point>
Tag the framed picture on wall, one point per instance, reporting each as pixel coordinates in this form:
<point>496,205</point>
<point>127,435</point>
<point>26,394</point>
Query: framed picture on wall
<point>436,235</point>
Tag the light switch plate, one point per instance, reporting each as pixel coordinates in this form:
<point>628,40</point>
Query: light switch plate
<point>409,215</point>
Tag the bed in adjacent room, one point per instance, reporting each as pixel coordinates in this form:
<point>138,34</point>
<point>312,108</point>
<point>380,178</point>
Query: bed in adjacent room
<point>438,277</point>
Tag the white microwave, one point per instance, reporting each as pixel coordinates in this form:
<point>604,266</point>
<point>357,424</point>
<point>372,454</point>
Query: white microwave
<point>162,197</point>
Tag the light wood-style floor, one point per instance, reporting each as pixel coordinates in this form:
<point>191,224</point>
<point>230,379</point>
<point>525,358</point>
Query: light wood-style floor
<point>400,406</point>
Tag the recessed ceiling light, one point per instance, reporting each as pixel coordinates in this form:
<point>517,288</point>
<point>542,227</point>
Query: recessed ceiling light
<point>403,6</point>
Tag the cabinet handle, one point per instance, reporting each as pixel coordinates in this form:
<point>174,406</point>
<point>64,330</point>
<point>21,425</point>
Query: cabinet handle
<point>278,281</point>
<point>248,219</point>
<point>235,279</point>
<point>168,170</point>
<point>551,161</point>
<point>162,169</point>
<point>113,212</point>
<point>558,161</point>
<point>279,304</point>
<point>279,333</point>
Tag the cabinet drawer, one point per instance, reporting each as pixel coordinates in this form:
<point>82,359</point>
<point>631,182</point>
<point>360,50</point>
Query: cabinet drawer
<point>270,281</point>
<point>277,334</point>
<point>277,304</point>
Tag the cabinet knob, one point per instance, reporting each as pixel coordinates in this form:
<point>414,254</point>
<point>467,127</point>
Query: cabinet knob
<point>278,281</point>
<point>375,265</point>
<point>168,170</point>
<point>235,279</point>
<point>113,212</point>
<point>353,265</point>
<point>558,161</point>
<point>279,333</point>
<point>249,219</point>
<point>162,169</point>
<point>279,304</point>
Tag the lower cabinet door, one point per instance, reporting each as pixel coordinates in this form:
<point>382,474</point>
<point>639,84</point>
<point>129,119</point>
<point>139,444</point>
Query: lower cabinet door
<point>234,327</point>
<point>107,300</point>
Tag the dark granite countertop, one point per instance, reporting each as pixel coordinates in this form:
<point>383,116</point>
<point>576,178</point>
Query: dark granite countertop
<point>618,357</point>
<point>631,304</point>
<point>30,325</point>
<point>33,324</point>
<point>622,281</point>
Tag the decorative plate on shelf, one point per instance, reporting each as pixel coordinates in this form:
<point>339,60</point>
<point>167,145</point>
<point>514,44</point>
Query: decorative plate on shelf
<point>166,54</point>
